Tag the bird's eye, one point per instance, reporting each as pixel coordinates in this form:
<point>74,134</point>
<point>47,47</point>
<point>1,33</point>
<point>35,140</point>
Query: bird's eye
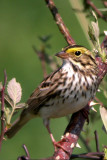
<point>77,53</point>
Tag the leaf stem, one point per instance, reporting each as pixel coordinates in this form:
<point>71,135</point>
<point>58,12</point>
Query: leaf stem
<point>10,117</point>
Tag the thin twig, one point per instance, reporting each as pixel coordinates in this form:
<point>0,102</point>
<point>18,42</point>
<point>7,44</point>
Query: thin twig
<point>90,155</point>
<point>45,59</point>
<point>62,27</point>
<point>89,2</point>
<point>26,151</point>
<point>99,101</point>
<point>97,142</point>
<point>105,3</point>
<point>41,55</point>
<point>85,143</point>
<point>27,157</point>
<point>2,110</point>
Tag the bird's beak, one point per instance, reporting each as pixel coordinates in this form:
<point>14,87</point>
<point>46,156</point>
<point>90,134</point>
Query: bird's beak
<point>62,55</point>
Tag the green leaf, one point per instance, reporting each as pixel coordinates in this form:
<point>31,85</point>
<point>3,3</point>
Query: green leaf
<point>7,115</point>
<point>91,35</point>
<point>93,31</point>
<point>21,106</point>
<point>96,29</point>
<point>14,90</point>
<point>105,153</point>
<point>8,101</point>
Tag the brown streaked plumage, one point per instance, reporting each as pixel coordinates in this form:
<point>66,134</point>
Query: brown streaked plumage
<point>65,91</point>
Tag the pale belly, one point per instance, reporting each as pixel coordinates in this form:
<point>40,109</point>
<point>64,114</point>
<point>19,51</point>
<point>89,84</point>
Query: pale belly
<point>60,109</point>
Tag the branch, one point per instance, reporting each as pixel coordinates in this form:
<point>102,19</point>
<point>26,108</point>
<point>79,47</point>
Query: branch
<point>97,142</point>
<point>2,110</point>
<point>41,54</point>
<point>26,151</point>
<point>45,59</point>
<point>27,157</point>
<point>90,155</point>
<point>104,44</point>
<point>102,69</point>
<point>96,10</point>
<point>105,3</point>
<point>62,27</point>
<point>85,143</point>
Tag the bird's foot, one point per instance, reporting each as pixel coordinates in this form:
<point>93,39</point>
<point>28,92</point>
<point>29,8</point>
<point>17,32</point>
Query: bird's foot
<point>58,144</point>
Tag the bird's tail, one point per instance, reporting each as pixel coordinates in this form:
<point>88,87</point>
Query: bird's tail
<point>17,125</point>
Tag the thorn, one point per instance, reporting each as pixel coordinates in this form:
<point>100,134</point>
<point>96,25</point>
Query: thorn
<point>105,32</point>
<point>3,119</point>
<point>93,109</point>
<point>67,134</point>
<point>4,138</point>
<point>58,157</point>
<point>72,145</point>
<point>62,137</point>
<point>78,146</point>
<point>92,103</point>
<point>98,90</point>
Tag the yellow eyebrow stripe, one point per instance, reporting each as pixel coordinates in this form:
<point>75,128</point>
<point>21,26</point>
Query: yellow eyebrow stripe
<point>72,50</point>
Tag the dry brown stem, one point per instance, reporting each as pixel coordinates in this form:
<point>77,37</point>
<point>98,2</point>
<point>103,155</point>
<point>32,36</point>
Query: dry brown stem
<point>41,54</point>
<point>2,110</point>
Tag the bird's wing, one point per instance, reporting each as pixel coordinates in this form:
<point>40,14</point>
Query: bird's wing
<point>46,90</point>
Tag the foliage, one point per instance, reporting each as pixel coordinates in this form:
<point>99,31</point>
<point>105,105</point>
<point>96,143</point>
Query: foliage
<point>26,62</point>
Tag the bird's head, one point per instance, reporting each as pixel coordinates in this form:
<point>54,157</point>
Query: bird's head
<point>78,55</point>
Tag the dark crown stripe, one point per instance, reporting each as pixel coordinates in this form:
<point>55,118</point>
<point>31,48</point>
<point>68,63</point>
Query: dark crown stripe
<point>72,46</point>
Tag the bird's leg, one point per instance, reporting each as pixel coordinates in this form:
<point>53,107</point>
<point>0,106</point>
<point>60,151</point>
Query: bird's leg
<point>52,138</point>
<point>49,131</point>
<point>46,123</point>
<point>56,144</point>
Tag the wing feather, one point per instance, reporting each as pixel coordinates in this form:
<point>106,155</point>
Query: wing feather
<point>45,90</point>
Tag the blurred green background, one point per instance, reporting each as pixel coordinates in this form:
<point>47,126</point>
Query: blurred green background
<point>21,23</point>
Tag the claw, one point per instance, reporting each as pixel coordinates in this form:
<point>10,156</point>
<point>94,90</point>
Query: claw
<point>58,145</point>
